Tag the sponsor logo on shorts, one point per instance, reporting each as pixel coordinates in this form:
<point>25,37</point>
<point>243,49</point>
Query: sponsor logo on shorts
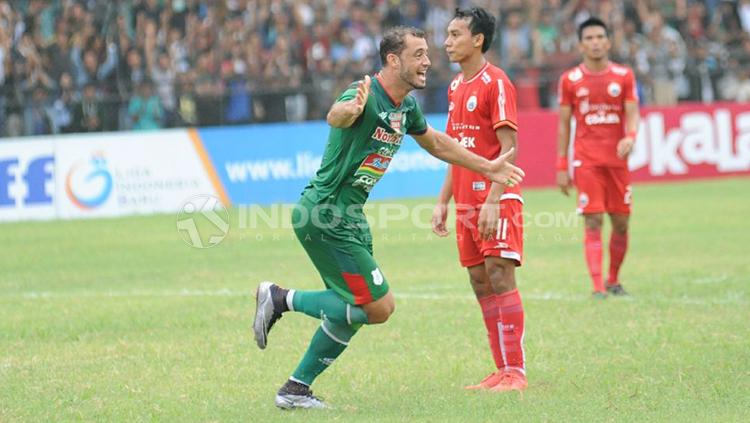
<point>478,186</point>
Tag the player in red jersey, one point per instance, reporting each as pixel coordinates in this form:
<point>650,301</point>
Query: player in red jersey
<point>489,224</point>
<point>603,98</point>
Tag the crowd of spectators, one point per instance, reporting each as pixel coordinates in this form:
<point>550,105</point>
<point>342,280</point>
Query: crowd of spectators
<point>95,65</point>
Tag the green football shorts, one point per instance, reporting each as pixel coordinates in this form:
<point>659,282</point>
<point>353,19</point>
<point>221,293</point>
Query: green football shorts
<point>341,250</point>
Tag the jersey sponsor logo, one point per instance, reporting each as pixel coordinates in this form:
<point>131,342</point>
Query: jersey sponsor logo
<point>602,118</point>
<point>584,107</point>
<point>575,75</point>
<point>373,168</point>
<point>387,151</point>
<point>614,89</point>
<point>464,126</point>
<point>486,78</point>
<point>383,135</point>
<point>582,92</point>
<point>478,186</point>
<point>396,119</point>
<point>471,103</point>
<point>466,142</point>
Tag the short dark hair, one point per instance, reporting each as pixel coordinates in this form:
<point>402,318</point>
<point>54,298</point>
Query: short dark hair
<point>394,41</point>
<point>481,23</point>
<point>592,21</point>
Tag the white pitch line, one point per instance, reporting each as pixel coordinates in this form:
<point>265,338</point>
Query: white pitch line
<point>428,296</point>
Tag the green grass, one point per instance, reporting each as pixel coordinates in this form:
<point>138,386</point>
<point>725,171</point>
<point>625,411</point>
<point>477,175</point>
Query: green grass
<point>119,320</point>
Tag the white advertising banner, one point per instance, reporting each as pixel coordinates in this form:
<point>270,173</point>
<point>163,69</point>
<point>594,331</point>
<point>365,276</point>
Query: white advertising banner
<point>128,173</point>
<point>27,179</point>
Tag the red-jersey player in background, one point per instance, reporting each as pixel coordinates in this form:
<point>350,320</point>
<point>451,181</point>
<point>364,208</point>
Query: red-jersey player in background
<point>482,117</point>
<point>603,98</point>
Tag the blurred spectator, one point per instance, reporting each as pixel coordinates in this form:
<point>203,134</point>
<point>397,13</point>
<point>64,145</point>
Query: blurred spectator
<point>38,116</point>
<point>239,61</point>
<point>145,110</point>
<point>62,108</point>
<point>87,114</point>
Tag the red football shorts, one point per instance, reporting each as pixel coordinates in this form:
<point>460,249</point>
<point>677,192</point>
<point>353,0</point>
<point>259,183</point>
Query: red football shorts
<point>603,189</point>
<point>506,243</point>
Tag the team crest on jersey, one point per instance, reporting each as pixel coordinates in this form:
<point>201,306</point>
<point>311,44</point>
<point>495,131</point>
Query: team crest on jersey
<point>471,104</point>
<point>582,92</point>
<point>396,120</point>
<point>614,89</point>
<point>575,75</point>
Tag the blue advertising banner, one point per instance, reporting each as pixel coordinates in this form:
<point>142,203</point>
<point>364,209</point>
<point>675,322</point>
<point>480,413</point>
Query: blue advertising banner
<point>266,164</point>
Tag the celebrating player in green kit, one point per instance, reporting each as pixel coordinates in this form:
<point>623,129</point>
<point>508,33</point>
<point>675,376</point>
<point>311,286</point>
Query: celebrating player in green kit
<point>368,122</point>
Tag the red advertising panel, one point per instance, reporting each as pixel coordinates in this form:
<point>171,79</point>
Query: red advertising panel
<point>682,142</point>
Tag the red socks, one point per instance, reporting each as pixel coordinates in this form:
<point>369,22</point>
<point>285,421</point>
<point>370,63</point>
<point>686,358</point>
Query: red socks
<point>491,314</point>
<point>511,337</point>
<point>618,245</point>
<point>503,318</point>
<point>593,247</point>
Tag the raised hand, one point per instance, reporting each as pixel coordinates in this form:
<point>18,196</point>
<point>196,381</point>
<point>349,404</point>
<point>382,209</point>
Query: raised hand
<point>503,172</point>
<point>363,91</point>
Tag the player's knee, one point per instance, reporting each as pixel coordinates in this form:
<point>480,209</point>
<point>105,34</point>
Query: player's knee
<point>501,273</point>
<point>594,222</point>
<point>381,310</point>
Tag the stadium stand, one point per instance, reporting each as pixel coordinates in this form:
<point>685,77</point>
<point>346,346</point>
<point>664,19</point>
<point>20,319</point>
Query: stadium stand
<point>96,65</point>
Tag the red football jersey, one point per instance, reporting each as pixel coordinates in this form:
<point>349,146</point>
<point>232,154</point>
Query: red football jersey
<point>477,107</point>
<point>597,100</point>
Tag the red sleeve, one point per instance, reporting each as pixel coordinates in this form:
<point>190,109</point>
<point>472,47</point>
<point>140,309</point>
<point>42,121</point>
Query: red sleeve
<point>563,91</point>
<point>502,102</point>
<point>630,88</point>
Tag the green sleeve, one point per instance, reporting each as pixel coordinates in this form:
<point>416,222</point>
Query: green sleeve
<point>418,124</point>
<point>349,93</point>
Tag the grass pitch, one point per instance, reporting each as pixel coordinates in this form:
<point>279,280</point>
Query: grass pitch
<point>119,320</point>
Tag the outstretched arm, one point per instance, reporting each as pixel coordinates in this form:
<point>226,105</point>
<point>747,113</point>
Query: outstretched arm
<point>442,146</point>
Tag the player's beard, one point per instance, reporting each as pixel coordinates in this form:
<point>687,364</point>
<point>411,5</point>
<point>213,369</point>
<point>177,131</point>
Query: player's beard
<point>412,79</point>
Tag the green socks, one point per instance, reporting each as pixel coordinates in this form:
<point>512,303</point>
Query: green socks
<point>327,305</point>
<point>329,341</point>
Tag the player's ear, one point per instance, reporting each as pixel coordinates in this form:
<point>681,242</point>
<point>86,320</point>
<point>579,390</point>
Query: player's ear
<point>478,40</point>
<point>393,59</point>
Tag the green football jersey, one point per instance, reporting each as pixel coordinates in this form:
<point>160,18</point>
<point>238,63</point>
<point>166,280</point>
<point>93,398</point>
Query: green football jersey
<point>357,157</point>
